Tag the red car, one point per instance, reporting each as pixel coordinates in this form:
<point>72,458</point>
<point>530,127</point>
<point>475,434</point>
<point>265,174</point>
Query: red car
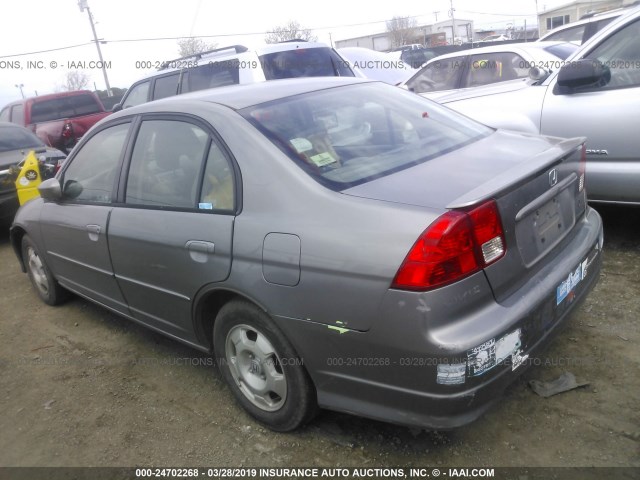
<point>59,119</point>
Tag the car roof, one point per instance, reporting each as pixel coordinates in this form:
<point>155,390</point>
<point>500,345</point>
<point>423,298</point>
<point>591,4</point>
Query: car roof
<point>589,18</point>
<point>627,17</point>
<point>503,47</point>
<point>234,51</point>
<point>241,96</point>
<point>50,96</point>
<point>11,124</point>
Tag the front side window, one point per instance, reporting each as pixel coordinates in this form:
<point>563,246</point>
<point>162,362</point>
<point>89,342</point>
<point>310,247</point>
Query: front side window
<point>17,114</point>
<point>137,96</point>
<point>166,164</point>
<point>4,115</point>
<point>92,171</point>
<point>621,54</point>
<point>494,67</point>
<point>346,136</point>
<point>439,75</point>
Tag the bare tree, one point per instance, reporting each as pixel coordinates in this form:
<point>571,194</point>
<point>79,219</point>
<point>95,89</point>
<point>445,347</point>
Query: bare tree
<point>75,80</point>
<point>291,31</point>
<point>192,45</point>
<point>402,30</point>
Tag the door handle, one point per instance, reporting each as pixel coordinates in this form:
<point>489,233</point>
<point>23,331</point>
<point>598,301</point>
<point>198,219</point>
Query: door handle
<point>200,250</point>
<point>94,232</point>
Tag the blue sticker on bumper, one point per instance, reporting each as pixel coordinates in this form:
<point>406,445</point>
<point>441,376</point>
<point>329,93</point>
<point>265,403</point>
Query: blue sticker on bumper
<point>576,276</point>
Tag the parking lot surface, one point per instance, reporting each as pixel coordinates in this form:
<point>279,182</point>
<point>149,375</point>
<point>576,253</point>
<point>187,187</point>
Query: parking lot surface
<point>82,387</point>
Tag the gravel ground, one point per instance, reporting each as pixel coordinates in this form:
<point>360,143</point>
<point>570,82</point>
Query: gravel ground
<point>82,387</point>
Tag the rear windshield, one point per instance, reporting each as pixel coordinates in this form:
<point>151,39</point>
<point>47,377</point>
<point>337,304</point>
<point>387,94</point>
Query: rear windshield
<point>562,50</point>
<point>12,138</point>
<point>64,107</point>
<point>353,134</point>
<point>304,62</point>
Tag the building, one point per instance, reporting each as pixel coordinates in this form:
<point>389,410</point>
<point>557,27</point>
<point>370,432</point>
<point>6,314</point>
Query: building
<point>463,34</point>
<point>440,32</point>
<point>570,12</point>
<point>380,42</point>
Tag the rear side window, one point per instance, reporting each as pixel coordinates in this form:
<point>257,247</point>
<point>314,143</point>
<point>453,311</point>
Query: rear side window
<point>90,176</point>
<point>4,115</point>
<point>166,86</point>
<point>304,62</point>
<point>211,75</point>
<point>17,114</point>
<point>64,107</point>
<point>350,135</point>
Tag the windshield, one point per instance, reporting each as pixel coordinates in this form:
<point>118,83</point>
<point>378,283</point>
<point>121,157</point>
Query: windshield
<point>353,134</point>
<point>16,138</point>
<point>304,62</point>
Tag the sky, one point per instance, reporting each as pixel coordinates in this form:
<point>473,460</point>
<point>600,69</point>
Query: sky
<point>33,26</point>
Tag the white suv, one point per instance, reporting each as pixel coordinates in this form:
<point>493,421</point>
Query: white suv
<point>582,30</point>
<point>236,65</point>
<point>595,93</point>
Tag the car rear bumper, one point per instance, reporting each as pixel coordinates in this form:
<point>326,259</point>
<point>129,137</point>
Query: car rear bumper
<point>415,369</point>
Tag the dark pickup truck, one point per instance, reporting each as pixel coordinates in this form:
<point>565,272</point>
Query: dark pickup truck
<point>59,119</point>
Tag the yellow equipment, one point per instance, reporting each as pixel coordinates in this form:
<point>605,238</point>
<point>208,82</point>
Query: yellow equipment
<point>28,179</point>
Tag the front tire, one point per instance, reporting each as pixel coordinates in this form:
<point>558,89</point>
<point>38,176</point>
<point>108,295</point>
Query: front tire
<point>261,367</point>
<point>41,278</point>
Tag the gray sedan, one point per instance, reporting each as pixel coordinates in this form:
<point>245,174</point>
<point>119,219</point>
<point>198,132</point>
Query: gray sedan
<point>336,243</point>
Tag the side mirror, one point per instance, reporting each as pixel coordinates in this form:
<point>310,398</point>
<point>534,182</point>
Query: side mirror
<point>583,73</point>
<point>72,189</point>
<point>538,74</point>
<point>116,108</point>
<point>50,189</point>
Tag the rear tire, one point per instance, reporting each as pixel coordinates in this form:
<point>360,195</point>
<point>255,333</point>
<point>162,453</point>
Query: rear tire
<point>261,367</point>
<point>47,288</point>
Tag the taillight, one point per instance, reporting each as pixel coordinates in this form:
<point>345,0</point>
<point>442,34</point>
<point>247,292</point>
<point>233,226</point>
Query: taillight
<point>67,131</point>
<point>458,244</point>
<point>582,168</point>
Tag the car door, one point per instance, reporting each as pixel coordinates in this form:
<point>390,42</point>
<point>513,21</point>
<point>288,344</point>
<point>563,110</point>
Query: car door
<point>488,68</point>
<point>137,95</point>
<point>439,75</point>
<point>607,115</point>
<point>172,232</point>
<point>74,229</point>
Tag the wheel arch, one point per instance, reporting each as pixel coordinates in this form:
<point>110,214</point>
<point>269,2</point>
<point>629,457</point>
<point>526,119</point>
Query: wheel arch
<point>16,235</point>
<point>207,304</point>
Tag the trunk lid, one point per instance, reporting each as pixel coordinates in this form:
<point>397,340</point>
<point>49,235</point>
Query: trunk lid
<point>534,180</point>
